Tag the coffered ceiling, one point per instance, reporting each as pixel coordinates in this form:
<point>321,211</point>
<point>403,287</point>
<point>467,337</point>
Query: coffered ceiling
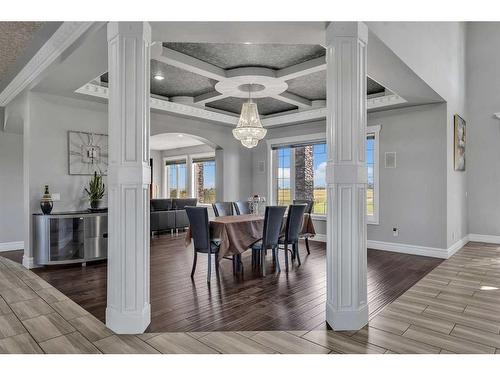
<point>204,71</point>
<point>14,37</point>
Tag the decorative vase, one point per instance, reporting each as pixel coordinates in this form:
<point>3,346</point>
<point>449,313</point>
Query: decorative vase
<point>96,204</point>
<point>46,203</point>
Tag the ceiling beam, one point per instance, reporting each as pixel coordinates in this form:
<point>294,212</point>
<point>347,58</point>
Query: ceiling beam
<point>293,99</point>
<point>208,97</point>
<point>302,69</point>
<point>186,62</point>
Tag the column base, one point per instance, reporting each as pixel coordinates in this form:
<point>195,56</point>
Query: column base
<point>346,320</point>
<point>29,262</point>
<point>128,322</point>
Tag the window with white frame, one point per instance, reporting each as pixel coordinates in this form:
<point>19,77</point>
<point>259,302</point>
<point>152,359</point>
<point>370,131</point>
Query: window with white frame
<point>299,173</point>
<point>175,177</point>
<point>204,179</point>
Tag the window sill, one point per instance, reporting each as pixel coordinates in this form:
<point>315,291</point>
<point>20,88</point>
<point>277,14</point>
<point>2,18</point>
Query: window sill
<point>323,218</point>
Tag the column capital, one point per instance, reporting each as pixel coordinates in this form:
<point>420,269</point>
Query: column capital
<point>129,29</point>
<point>345,30</point>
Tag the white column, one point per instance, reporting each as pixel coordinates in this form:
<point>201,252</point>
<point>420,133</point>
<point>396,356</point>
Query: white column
<point>346,306</point>
<point>128,309</point>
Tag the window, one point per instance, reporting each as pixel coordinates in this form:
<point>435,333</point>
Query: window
<point>204,179</point>
<point>176,178</point>
<point>299,172</point>
<point>372,190</point>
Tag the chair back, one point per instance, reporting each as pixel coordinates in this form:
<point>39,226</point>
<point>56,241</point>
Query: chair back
<point>199,225</point>
<point>223,208</point>
<point>308,202</point>
<point>273,221</point>
<point>242,208</point>
<point>294,222</point>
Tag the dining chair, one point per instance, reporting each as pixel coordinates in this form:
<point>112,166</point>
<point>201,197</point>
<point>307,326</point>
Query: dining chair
<point>200,232</point>
<point>273,221</point>
<point>223,208</point>
<point>292,231</point>
<point>309,208</point>
<point>242,208</point>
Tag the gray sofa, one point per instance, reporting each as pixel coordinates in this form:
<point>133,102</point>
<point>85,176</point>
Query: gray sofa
<point>169,214</point>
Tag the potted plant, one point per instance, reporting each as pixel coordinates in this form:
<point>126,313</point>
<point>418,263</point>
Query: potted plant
<point>95,191</point>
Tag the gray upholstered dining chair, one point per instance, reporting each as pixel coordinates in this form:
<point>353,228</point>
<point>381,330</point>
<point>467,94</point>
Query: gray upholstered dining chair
<point>292,231</point>
<point>242,208</point>
<point>200,232</point>
<point>309,208</point>
<point>273,221</point>
<point>223,208</point>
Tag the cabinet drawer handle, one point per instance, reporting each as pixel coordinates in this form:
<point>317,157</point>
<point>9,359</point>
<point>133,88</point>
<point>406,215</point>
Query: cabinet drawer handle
<point>105,235</point>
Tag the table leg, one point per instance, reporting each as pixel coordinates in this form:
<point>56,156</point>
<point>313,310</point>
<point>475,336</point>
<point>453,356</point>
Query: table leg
<point>263,261</point>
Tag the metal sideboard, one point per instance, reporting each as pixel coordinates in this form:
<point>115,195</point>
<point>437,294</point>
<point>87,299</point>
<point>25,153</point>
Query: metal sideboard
<point>70,237</point>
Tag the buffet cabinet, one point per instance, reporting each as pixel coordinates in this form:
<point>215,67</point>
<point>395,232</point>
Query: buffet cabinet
<point>70,237</point>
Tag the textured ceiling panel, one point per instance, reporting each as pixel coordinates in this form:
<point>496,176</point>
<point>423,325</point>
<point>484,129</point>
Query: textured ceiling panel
<point>373,87</point>
<point>177,82</point>
<point>14,38</point>
<point>266,106</point>
<point>228,56</point>
<point>312,86</point>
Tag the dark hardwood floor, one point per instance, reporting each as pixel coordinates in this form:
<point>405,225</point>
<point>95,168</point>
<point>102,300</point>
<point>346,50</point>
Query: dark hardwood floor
<point>293,301</point>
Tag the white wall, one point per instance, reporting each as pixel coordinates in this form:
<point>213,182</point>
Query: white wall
<point>436,52</point>
<point>11,190</point>
<point>483,129</point>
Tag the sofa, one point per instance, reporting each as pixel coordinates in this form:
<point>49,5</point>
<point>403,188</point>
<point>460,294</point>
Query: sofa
<point>169,214</point>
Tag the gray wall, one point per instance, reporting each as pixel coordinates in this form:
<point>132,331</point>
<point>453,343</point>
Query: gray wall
<point>418,136</point>
<point>50,119</point>
<point>483,129</point>
<point>11,187</point>
<point>413,195</point>
<point>157,173</point>
<point>236,160</point>
<point>436,51</point>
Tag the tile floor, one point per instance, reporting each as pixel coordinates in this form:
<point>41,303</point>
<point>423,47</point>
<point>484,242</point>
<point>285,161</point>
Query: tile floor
<point>454,309</point>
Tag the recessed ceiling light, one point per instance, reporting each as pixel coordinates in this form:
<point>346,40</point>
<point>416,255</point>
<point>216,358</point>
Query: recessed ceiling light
<point>247,42</point>
<point>485,287</point>
<point>180,135</point>
<point>158,77</point>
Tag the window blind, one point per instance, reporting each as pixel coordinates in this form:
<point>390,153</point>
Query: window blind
<point>175,162</point>
<point>202,160</point>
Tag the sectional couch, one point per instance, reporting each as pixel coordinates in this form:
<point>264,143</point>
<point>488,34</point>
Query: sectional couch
<point>169,214</point>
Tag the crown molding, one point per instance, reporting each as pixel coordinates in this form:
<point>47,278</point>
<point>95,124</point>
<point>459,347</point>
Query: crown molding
<point>165,105</point>
<point>204,114</point>
<point>64,36</point>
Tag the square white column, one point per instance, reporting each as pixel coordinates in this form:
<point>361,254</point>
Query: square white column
<point>128,308</point>
<point>346,306</point>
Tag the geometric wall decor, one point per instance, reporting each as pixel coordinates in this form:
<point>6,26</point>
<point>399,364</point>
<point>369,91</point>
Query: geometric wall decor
<point>87,153</point>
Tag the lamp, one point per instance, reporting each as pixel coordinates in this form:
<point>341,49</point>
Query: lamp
<point>249,130</point>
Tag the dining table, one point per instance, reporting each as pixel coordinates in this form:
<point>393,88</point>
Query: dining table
<point>237,233</point>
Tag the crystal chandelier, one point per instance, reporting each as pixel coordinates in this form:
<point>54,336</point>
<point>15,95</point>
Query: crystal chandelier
<point>249,130</point>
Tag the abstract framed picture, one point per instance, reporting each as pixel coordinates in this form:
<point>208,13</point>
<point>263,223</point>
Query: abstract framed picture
<point>459,144</point>
<point>87,153</point>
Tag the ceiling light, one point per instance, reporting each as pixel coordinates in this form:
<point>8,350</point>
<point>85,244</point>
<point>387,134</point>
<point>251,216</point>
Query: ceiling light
<point>158,77</point>
<point>249,130</point>
<point>180,135</point>
<point>485,287</point>
<point>247,43</point>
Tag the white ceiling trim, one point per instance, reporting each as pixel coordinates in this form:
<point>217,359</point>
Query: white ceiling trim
<point>64,37</point>
<point>293,99</point>
<point>186,62</point>
<point>201,113</point>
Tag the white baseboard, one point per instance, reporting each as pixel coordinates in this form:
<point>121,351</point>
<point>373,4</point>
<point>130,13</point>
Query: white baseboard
<point>8,246</point>
<point>434,252</point>
<point>484,238</point>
